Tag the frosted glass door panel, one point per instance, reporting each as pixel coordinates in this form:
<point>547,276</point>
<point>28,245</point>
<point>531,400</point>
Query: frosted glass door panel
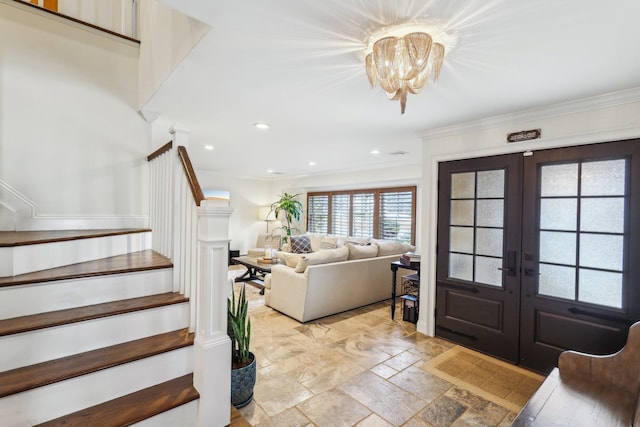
<point>490,213</point>
<point>487,271</point>
<point>601,287</point>
<point>604,178</point>
<point>604,215</point>
<point>491,184</point>
<point>461,266</point>
<point>476,236</point>
<point>559,180</point>
<point>589,195</point>
<point>601,251</point>
<point>557,281</point>
<point>462,212</point>
<point>461,239</point>
<point>558,214</point>
<point>557,247</point>
<point>463,185</point>
<point>489,241</point>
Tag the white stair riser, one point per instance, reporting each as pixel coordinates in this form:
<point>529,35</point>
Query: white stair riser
<point>55,400</point>
<point>52,343</point>
<point>59,295</point>
<point>184,416</point>
<point>29,258</point>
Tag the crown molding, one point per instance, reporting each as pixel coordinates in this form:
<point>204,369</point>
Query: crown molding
<point>580,105</point>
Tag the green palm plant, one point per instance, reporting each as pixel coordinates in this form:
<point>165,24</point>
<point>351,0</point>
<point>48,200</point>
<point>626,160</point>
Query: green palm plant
<point>292,209</point>
<point>239,329</point>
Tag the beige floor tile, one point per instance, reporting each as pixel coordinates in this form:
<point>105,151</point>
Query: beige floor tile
<point>384,371</point>
<point>331,376</point>
<point>279,393</point>
<point>360,350</point>
<point>389,401</point>
<point>373,420</point>
<point>421,383</point>
<point>289,418</point>
<point>333,408</point>
<point>402,360</point>
<point>443,412</point>
<point>253,413</point>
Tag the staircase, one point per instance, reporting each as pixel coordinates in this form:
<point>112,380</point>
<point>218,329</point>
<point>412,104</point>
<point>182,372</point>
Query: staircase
<point>91,332</point>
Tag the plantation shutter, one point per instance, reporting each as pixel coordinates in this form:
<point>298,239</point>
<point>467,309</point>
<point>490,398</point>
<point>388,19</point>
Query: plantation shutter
<point>363,214</point>
<point>340,214</point>
<point>396,215</point>
<point>318,213</point>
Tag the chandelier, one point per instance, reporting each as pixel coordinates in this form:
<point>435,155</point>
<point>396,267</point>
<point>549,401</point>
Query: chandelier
<point>402,58</point>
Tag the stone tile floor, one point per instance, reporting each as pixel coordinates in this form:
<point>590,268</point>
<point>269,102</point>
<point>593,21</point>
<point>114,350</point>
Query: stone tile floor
<point>360,368</point>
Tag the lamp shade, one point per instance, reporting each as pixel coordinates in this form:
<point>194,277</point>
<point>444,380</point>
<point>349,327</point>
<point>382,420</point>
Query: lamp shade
<point>266,214</point>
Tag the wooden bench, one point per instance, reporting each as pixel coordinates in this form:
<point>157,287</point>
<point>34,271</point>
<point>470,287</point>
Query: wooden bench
<point>588,390</point>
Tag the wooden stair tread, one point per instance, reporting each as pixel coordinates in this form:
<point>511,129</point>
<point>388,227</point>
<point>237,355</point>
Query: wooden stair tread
<point>72,315</point>
<point>38,375</point>
<point>21,238</point>
<point>134,261</point>
<point>134,407</point>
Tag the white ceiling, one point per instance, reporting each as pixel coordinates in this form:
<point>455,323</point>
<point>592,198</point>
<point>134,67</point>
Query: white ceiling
<point>296,64</point>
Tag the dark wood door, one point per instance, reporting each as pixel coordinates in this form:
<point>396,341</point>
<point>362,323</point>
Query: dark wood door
<point>477,277</point>
<point>580,250</point>
<point>546,260</point>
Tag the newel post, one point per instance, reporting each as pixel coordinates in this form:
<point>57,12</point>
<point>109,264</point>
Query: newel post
<point>212,347</point>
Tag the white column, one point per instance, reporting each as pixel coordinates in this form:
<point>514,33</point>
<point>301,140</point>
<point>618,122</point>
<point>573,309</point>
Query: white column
<point>212,347</point>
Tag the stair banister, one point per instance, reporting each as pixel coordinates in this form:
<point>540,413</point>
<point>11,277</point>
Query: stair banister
<point>194,233</point>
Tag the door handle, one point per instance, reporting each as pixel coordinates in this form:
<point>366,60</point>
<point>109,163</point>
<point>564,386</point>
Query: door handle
<point>530,272</point>
<point>510,268</point>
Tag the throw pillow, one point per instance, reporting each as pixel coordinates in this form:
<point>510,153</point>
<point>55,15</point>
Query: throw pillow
<point>291,259</point>
<point>300,244</point>
<point>328,243</point>
<point>322,257</point>
<point>393,248</point>
<point>362,252</point>
<point>358,240</point>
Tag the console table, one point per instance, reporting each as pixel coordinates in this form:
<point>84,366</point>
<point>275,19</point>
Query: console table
<point>395,265</point>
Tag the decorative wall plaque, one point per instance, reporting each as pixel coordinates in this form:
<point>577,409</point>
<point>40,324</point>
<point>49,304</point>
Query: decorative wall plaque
<point>524,135</point>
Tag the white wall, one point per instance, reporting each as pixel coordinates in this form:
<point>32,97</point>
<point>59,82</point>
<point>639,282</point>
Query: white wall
<point>604,118</point>
<point>71,140</point>
<point>246,196</point>
<point>167,36</point>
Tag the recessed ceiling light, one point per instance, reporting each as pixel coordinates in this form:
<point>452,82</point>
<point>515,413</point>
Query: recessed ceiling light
<point>262,125</point>
<point>208,147</point>
<point>312,163</point>
<point>269,170</point>
<point>375,151</point>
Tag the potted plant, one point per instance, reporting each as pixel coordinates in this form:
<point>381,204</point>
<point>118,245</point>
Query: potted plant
<point>292,209</point>
<point>243,362</point>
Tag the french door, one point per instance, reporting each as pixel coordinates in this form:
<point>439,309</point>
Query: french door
<point>540,253</point>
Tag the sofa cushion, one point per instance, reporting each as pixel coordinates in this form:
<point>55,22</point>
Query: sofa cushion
<point>362,252</point>
<point>300,244</point>
<point>390,247</point>
<point>291,259</point>
<point>322,257</point>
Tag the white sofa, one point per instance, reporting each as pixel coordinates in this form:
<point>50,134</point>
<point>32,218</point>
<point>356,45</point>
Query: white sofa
<point>330,288</point>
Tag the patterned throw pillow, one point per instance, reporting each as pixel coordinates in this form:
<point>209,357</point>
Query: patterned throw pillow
<point>300,244</point>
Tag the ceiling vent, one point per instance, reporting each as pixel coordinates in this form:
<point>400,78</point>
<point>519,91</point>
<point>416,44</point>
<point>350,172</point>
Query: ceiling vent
<point>399,153</point>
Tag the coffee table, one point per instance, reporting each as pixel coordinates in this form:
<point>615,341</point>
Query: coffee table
<point>255,270</point>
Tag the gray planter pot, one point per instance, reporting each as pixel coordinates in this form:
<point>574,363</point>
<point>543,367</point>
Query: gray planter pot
<point>242,382</point>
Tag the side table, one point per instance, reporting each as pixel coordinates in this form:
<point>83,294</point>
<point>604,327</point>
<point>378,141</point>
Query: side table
<point>395,265</point>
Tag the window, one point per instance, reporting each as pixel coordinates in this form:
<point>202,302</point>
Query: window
<point>385,213</point>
